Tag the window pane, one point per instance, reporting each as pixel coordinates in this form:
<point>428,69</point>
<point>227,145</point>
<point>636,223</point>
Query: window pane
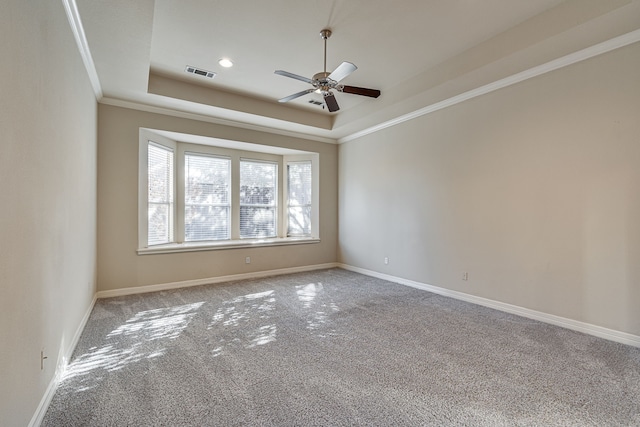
<point>206,223</point>
<point>299,221</point>
<point>160,194</point>
<point>299,199</point>
<point>207,198</point>
<point>257,222</point>
<point>159,224</point>
<point>258,195</point>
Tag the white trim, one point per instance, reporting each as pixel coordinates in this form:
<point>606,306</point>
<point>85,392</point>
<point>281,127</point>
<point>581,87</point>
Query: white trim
<point>62,363</point>
<point>41,411</point>
<point>572,58</point>
<point>226,244</point>
<point>77,29</point>
<point>212,280</point>
<point>315,191</point>
<point>133,105</point>
<point>236,157</point>
<point>78,334</point>
<point>575,325</point>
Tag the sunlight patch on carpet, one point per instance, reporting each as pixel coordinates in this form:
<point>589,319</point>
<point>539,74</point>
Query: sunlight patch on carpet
<point>149,325</point>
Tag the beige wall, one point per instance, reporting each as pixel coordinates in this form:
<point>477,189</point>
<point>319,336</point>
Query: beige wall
<point>534,190</point>
<point>48,127</point>
<point>119,266</point>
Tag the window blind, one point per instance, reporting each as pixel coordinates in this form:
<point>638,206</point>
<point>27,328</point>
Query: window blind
<point>258,199</point>
<point>160,194</point>
<point>207,198</point>
<point>299,198</point>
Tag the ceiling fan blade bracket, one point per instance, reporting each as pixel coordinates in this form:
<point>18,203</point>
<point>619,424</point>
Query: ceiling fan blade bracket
<point>332,83</point>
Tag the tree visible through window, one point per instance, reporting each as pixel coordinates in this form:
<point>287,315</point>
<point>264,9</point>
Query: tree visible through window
<point>299,198</point>
<point>200,197</point>
<point>258,195</point>
<point>160,194</point>
<point>207,203</point>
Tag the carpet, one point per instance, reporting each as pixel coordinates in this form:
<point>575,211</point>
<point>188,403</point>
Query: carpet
<point>336,348</point>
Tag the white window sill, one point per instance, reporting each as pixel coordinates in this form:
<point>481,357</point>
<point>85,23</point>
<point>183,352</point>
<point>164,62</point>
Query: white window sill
<point>226,244</point>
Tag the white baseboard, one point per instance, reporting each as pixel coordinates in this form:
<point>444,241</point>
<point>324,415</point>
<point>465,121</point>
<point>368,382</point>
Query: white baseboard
<point>61,366</point>
<point>211,280</point>
<point>63,361</point>
<point>587,328</point>
<point>38,416</point>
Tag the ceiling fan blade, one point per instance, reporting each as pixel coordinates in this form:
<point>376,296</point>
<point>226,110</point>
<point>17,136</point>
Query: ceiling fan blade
<point>373,93</point>
<point>293,76</point>
<point>331,102</point>
<point>342,71</point>
<point>295,95</point>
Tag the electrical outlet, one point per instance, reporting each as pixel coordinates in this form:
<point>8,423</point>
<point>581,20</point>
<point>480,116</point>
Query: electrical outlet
<point>386,260</point>
<point>465,276</point>
<point>247,260</point>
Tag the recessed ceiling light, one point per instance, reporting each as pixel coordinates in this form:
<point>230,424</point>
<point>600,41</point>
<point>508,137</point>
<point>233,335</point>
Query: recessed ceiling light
<point>225,62</point>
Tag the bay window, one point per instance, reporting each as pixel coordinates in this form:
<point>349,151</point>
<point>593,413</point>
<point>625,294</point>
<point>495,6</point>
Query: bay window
<point>207,196</point>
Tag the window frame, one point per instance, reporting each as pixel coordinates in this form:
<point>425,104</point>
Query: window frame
<point>184,203</point>
<point>278,202</point>
<point>235,155</point>
<point>169,199</point>
<point>293,161</point>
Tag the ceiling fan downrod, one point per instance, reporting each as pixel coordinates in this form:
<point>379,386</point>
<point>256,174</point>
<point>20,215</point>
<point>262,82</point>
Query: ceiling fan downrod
<point>325,34</point>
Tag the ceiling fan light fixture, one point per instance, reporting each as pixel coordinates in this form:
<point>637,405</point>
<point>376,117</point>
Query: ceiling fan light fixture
<point>225,62</point>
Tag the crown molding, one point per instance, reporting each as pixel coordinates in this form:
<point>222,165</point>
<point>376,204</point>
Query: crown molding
<point>564,61</point>
<point>75,22</point>
<point>71,9</point>
<point>133,105</point>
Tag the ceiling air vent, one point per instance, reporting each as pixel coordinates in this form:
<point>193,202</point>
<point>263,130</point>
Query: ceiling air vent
<point>200,72</point>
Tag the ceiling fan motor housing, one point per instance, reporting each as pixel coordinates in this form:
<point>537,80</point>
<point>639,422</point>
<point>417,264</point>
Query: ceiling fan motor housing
<point>322,82</point>
<point>321,76</point>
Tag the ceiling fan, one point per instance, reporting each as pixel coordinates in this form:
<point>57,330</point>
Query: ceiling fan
<point>323,82</point>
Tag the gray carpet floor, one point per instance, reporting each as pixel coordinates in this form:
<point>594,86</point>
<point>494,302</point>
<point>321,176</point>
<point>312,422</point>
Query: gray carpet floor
<point>336,348</point>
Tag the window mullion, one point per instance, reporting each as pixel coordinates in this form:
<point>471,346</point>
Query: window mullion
<point>282,204</point>
<point>180,195</point>
<point>235,197</point>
